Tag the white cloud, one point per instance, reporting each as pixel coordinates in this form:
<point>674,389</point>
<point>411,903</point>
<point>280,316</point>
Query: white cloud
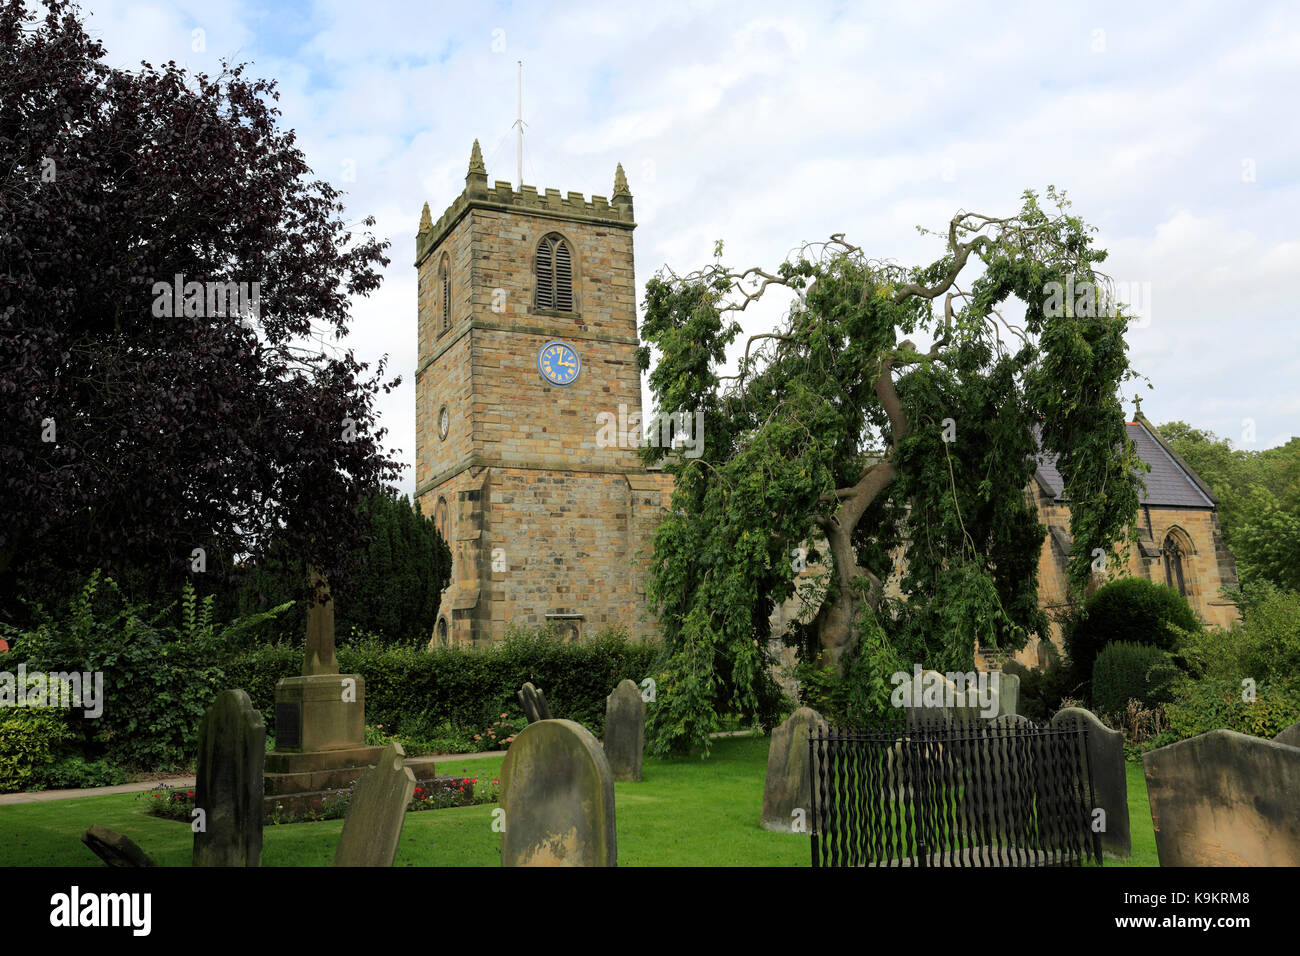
<point>771,124</point>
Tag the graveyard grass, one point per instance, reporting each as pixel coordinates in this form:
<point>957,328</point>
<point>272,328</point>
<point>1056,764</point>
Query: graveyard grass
<point>686,812</point>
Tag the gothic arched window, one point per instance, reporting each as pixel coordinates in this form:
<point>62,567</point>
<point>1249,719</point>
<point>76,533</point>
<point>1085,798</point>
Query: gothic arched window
<point>554,269</point>
<point>442,632</point>
<point>1174,553</point>
<point>444,285</point>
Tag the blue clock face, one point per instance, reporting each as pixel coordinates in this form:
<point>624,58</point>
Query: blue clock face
<point>558,363</point>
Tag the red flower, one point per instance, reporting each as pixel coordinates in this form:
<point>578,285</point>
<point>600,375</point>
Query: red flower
<point>419,790</point>
<point>191,793</point>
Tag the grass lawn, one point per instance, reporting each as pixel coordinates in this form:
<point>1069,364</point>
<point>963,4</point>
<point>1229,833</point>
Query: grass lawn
<point>685,812</point>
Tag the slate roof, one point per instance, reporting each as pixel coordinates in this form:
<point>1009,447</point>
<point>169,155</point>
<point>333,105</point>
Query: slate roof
<point>1169,484</point>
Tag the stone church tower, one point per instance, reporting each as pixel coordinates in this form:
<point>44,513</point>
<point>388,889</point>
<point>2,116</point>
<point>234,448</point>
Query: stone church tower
<point>528,332</point>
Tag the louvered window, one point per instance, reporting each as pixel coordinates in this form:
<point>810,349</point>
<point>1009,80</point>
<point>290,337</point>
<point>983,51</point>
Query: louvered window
<point>444,280</point>
<point>554,275</point>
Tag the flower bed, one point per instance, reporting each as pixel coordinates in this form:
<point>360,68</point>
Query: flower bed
<point>173,803</point>
<point>454,792</point>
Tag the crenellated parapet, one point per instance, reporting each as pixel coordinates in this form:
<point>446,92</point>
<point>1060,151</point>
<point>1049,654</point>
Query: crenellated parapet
<point>503,196</point>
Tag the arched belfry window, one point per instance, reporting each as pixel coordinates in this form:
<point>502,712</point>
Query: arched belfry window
<point>444,286</point>
<point>554,266</point>
<point>1175,554</point>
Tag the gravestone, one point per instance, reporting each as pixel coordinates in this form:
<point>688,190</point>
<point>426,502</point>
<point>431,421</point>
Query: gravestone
<point>1290,736</point>
<point>1008,694</point>
<point>533,701</point>
<point>229,786</point>
<point>557,792</point>
<point>1105,753</point>
<point>1010,754</point>
<point>1225,799</point>
<point>787,792</point>
<point>373,826</point>
<point>937,699</point>
<point>114,848</point>
<point>625,730</point>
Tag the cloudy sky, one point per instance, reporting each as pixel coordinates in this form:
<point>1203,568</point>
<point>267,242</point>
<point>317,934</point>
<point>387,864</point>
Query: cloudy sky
<point>1172,127</point>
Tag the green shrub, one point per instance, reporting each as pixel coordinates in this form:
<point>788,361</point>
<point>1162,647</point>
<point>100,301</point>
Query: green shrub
<point>1257,657</point>
<point>1042,691</point>
<point>158,678</point>
<point>31,739</point>
<point>1218,704</point>
<point>1264,644</point>
<point>1124,672</point>
<point>454,693</point>
<point>1130,611</point>
<point>76,773</point>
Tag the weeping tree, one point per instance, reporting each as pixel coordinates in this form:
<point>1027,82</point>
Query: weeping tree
<point>842,444</point>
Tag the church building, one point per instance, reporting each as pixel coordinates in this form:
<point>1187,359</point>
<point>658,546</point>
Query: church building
<point>527,341</point>
<point>527,345</point>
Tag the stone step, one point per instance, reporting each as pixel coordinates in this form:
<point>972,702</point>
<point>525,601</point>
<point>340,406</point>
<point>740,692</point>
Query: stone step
<point>280,784</point>
<point>288,762</point>
<point>294,805</point>
<point>290,807</point>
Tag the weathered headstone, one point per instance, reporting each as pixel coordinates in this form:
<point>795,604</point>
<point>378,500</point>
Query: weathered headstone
<point>228,792</point>
<point>373,826</point>
<point>533,701</point>
<point>1010,753</point>
<point>787,792</point>
<point>1007,689</point>
<point>1105,753</point>
<point>557,792</point>
<point>934,698</point>
<point>1225,799</point>
<point>1290,736</point>
<point>625,730</point>
<point>114,848</point>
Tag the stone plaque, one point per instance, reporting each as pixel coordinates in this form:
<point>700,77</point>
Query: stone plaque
<point>288,724</point>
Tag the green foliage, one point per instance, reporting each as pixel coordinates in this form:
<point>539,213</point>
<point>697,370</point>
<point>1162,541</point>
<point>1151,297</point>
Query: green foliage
<point>1124,672</point>
<point>1259,501</point>
<point>456,693</point>
<point>1259,653</point>
<point>392,596</point>
<point>834,429</point>
<point>1131,610</point>
<point>1213,703</point>
<point>860,694</point>
<point>30,741</point>
<point>158,678</point>
<point>1043,691</point>
<point>76,772</point>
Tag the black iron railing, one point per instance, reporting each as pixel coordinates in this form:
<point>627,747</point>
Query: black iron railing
<point>937,792</point>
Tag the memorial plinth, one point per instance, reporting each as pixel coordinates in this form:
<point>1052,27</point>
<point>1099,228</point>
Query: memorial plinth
<point>320,726</point>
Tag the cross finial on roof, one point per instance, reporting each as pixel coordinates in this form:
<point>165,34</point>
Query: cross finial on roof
<point>1137,401</point>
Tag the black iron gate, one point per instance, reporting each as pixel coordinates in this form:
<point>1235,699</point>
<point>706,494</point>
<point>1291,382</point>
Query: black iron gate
<point>947,793</point>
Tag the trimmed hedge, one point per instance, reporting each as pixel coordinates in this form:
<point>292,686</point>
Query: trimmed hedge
<point>1129,610</point>
<point>466,689</point>
<point>1126,671</point>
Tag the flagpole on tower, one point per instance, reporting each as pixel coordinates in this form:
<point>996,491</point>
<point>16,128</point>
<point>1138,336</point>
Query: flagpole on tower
<point>519,124</point>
